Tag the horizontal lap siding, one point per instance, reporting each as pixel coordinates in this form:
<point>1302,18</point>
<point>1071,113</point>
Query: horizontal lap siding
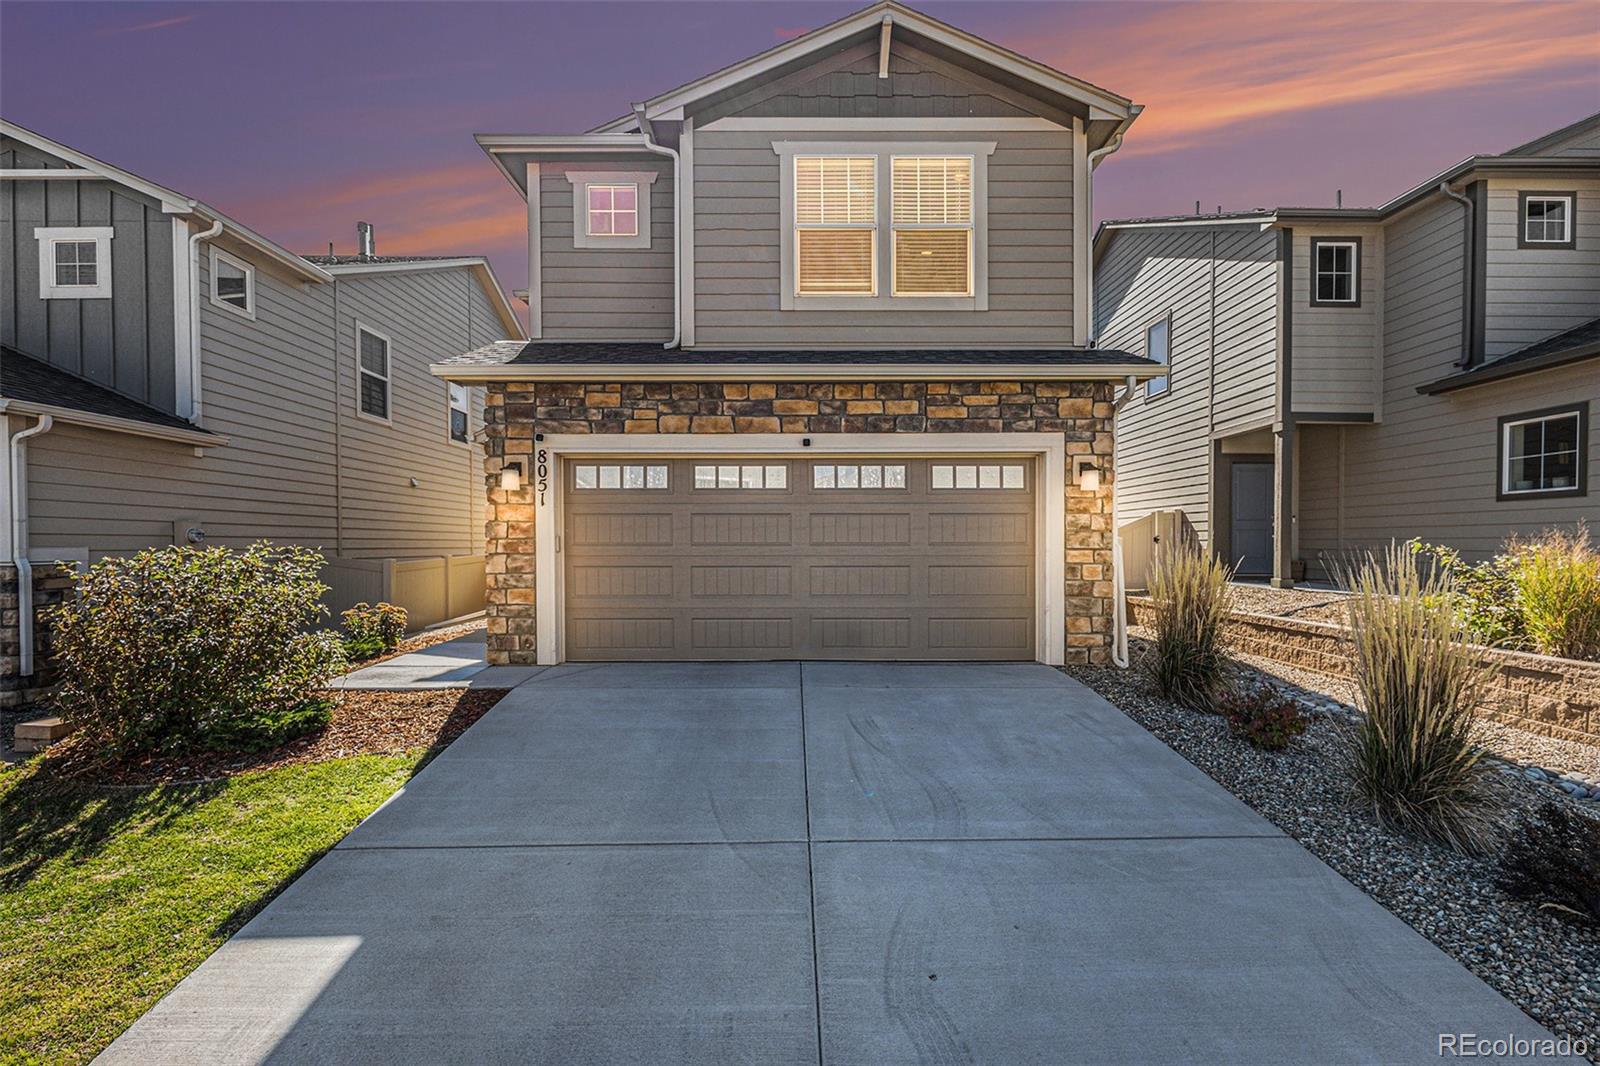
<point>1428,470</point>
<point>1536,292</point>
<point>1163,444</point>
<point>1336,348</point>
<point>737,242</point>
<point>599,293</point>
<point>124,343</point>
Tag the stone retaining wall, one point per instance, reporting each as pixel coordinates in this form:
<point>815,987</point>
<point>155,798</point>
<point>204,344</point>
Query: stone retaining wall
<point>50,587</point>
<point>1540,693</point>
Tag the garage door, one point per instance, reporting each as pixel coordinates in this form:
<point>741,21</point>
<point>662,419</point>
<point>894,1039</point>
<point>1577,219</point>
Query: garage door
<point>761,558</point>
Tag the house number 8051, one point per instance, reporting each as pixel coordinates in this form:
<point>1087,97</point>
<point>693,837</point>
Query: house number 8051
<point>542,472</point>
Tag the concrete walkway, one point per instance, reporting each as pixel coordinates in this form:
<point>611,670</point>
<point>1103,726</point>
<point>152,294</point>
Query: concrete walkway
<point>833,863</point>
<point>455,663</point>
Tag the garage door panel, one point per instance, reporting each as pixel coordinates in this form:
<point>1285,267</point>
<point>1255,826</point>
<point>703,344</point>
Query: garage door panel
<point>756,564</point>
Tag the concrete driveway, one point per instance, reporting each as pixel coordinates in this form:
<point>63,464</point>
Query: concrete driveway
<point>839,863</point>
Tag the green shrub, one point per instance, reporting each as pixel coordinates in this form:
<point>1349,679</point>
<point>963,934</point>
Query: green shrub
<point>1263,717</point>
<point>1485,594</point>
<point>1557,583</point>
<point>1553,858</point>
<point>372,630</point>
<point>1411,755</point>
<point>180,648</point>
<point>1192,596</point>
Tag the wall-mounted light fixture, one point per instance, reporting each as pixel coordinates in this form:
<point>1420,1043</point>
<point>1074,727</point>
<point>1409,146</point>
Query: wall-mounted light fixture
<point>1086,473</point>
<point>511,477</point>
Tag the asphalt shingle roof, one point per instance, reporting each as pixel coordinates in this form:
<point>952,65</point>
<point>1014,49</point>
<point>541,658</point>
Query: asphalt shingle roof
<point>347,260</point>
<point>541,353</point>
<point>25,378</point>
<point>1580,342</point>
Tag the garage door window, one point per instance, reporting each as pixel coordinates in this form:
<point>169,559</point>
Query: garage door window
<point>979,476</point>
<point>618,476</point>
<point>858,476</point>
<point>741,476</point>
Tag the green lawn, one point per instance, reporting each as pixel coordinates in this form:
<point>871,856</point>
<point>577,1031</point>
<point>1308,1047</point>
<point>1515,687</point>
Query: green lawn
<point>109,896</point>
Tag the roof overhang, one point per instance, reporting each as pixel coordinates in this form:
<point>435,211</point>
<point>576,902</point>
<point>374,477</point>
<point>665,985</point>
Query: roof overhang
<point>172,202</point>
<point>1510,368</point>
<point>1101,104</point>
<point>477,264</point>
<point>500,146</point>
<point>198,438</point>
<point>667,371</point>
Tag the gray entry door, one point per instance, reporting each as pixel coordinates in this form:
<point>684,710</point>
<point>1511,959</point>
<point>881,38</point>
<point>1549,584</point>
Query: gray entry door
<point>765,558</point>
<point>1252,518</point>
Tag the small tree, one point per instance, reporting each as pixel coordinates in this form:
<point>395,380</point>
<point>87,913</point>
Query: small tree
<point>177,648</point>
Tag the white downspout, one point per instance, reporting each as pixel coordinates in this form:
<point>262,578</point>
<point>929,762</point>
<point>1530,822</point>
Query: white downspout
<point>677,214</point>
<point>194,317</point>
<point>19,541</point>
<point>1088,179</point>
<point>1119,606</point>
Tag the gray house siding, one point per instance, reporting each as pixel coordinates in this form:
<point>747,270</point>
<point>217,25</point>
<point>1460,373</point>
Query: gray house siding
<point>737,239</point>
<point>124,343</point>
<point>604,293</point>
<point>1337,350</point>
<point>1533,293</point>
<point>1219,285</point>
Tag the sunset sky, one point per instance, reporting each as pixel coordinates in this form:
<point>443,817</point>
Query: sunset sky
<point>300,118</point>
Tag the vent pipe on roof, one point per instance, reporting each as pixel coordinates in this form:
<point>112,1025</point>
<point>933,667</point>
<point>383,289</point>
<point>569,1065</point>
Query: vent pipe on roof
<point>364,239</point>
<point>1338,198</point>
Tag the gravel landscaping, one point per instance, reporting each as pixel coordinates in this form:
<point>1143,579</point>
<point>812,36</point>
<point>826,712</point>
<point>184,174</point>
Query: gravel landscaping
<point>1547,965</point>
<point>1308,605</point>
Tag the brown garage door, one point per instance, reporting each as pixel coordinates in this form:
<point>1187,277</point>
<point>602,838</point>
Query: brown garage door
<point>765,558</point>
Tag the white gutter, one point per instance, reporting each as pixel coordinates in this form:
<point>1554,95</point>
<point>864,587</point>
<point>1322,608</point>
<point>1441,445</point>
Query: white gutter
<point>677,214</point>
<point>19,541</point>
<point>194,316</point>
<point>199,438</point>
<point>1093,159</point>
<point>1119,606</point>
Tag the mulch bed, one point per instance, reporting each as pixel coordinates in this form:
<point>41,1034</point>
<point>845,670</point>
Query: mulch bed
<point>363,723</point>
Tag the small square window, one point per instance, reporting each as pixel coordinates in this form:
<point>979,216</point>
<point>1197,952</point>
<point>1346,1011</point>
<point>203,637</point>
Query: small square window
<point>655,477</point>
<point>74,262</point>
<point>611,477</point>
<point>1336,272</point>
<point>1547,220</point>
<point>944,477</point>
<point>233,284</point>
<point>585,477</point>
<point>966,477</point>
<point>777,477</point>
<point>822,477</point>
<point>894,477</point>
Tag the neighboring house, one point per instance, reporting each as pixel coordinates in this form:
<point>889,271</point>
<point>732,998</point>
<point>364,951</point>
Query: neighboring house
<point>811,374</point>
<point>1341,378</point>
<point>204,385</point>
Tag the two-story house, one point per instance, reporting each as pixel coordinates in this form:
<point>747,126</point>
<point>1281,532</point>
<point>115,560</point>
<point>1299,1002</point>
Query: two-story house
<point>170,376</point>
<point>1340,378</point>
<point>810,374</point>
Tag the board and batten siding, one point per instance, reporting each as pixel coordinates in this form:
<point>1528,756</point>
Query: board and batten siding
<point>124,343</point>
<point>604,294</point>
<point>282,388</point>
<point>1533,293</point>
<point>1337,351</point>
<point>1429,469</point>
<point>1219,285</point>
<point>737,240</point>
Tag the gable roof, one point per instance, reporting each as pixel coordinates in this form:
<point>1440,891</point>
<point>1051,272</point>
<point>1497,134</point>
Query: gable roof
<point>31,386</point>
<point>1102,104</point>
<point>172,202</point>
<point>1555,137</point>
<point>359,265</point>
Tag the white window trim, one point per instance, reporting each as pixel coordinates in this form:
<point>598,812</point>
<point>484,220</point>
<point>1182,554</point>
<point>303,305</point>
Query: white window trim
<point>249,310</point>
<point>883,248</point>
<point>969,227</point>
<point>1568,220</point>
<point>582,179</point>
<point>1317,245</point>
<point>847,299</point>
<point>1050,496</point>
<point>449,408</point>
<point>388,379</point>
<point>1149,392</point>
<point>1577,486</point>
<point>47,236</point>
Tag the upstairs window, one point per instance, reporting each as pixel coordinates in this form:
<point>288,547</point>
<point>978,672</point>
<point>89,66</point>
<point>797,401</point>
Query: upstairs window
<point>1542,453</point>
<point>74,262</point>
<point>836,223</point>
<point>1547,220</point>
<point>932,222</point>
<point>613,210</point>
<point>460,412</point>
<point>372,374</point>
<point>1336,272</point>
<point>233,284</point>
<point>1158,346</point>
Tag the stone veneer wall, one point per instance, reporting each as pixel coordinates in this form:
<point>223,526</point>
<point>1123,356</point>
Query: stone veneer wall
<point>49,588</point>
<point>1540,693</point>
<point>514,412</point>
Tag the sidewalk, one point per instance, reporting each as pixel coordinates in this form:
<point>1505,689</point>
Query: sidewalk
<point>453,664</point>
